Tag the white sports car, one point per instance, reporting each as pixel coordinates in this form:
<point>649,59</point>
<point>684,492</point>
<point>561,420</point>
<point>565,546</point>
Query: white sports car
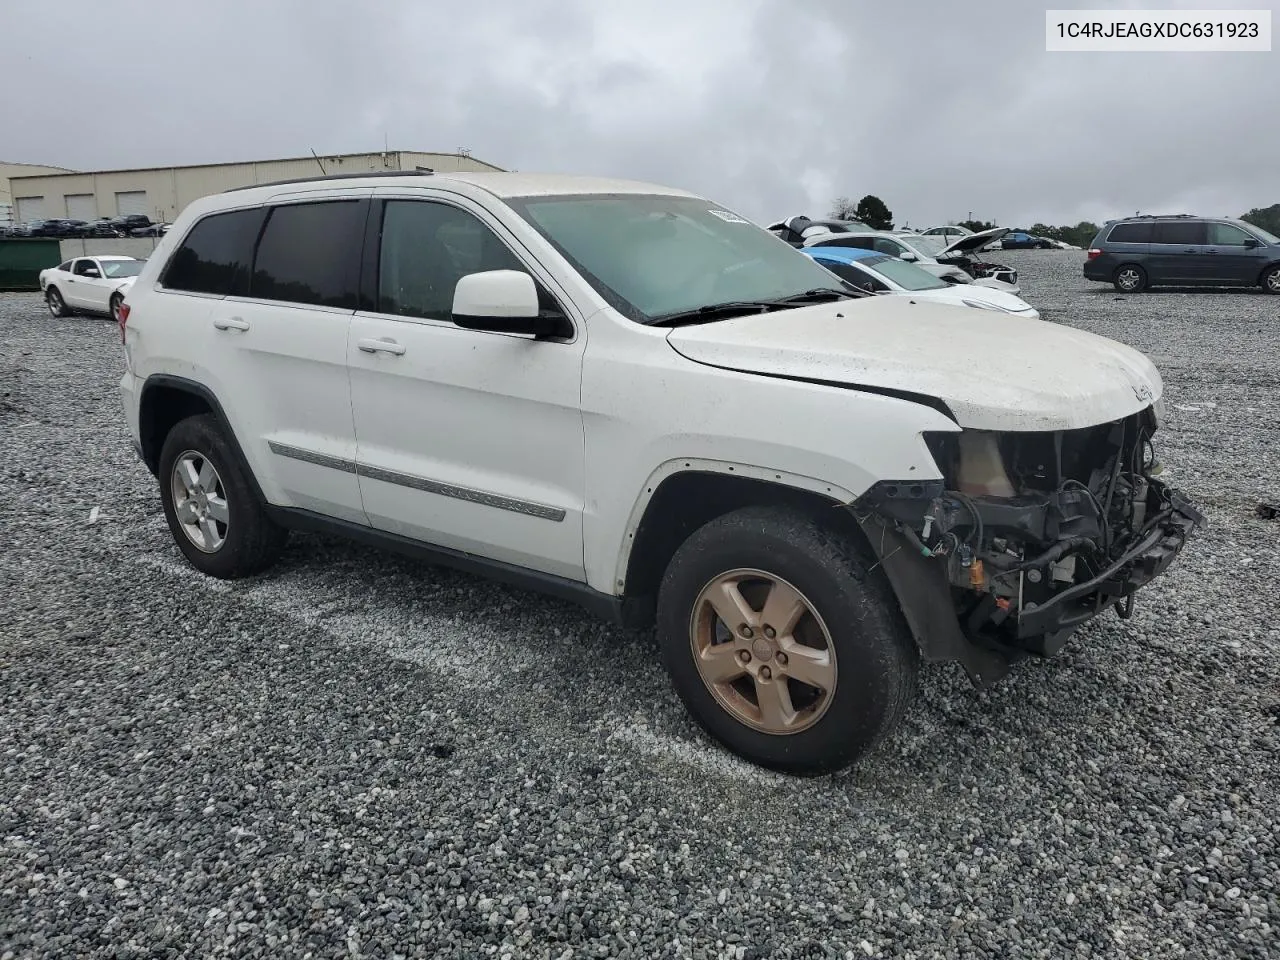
<point>95,284</point>
<point>883,274</point>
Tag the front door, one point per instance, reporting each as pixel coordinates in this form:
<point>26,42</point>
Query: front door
<point>467,440</point>
<point>1227,259</point>
<point>80,287</point>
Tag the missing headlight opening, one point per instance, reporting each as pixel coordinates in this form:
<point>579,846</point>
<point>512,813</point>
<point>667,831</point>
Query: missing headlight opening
<point>1027,536</point>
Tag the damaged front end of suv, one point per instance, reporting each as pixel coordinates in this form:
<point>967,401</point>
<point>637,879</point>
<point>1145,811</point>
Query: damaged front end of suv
<point>1027,536</point>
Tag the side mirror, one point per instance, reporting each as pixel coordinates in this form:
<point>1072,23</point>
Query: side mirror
<point>92,272</point>
<point>1250,243</point>
<point>504,301</point>
<point>907,255</point>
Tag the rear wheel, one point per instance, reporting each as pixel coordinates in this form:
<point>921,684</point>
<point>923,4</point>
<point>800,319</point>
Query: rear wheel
<point>783,643</point>
<point>212,511</point>
<point>1130,278</point>
<point>1271,280</point>
<point>57,306</point>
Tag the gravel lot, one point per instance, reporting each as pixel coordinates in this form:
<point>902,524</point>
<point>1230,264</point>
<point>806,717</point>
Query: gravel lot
<point>361,756</point>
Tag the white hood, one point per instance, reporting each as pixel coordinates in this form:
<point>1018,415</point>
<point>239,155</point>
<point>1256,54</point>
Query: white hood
<point>958,293</point>
<point>995,372</point>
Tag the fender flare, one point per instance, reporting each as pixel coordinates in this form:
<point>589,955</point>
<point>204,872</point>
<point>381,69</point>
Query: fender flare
<point>670,468</point>
<point>195,388</point>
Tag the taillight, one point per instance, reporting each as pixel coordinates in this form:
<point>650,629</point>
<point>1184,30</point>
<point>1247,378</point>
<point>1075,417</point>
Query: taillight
<point>1094,253</point>
<point>123,313</point>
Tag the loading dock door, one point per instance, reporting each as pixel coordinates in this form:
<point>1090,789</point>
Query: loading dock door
<point>134,201</point>
<point>82,206</point>
<point>30,208</point>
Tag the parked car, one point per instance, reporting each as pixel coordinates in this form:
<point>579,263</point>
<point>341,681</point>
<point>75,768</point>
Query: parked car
<point>151,230</point>
<point>809,491</point>
<point>879,273</point>
<point>96,284</point>
<point>795,230</point>
<point>950,261</point>
<point>948,232</point>
<point>1140,252</point>
<point>100,228</point>
<point>1021,240</point>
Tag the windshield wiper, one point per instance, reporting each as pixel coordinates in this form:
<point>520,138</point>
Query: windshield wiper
<point>713,311</point>
<point>817,295</point>
<point>719,311</point>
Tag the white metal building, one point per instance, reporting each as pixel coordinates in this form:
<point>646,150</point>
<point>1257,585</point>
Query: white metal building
<point>7,212</point>
<point>162,192</point>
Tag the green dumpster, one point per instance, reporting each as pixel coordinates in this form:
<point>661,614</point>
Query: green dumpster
<point>21,261</point>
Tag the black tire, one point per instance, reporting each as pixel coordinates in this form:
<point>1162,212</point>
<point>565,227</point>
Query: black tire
<point>57,306</point>
<point>116,300</point>
<point>875,655</point>
<point>252,541</point>
<point>1271,280</point>
<point>1130,278</point>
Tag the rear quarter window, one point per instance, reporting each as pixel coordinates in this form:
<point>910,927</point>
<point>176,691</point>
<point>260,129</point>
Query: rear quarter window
<point>1130,233</point>
<point>216,255</point>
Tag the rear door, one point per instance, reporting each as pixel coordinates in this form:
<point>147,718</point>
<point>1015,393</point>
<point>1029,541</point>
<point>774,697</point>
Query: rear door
<point>267,307</point>
<point>1227,259</point>
<point>1178,252</point>
<point>287,338</point>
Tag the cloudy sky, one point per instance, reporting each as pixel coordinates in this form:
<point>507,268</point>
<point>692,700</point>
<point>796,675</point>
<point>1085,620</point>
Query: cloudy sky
<point>773,107</point>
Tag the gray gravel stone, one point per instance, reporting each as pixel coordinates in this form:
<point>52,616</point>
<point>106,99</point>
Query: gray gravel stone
<point>360,756</point>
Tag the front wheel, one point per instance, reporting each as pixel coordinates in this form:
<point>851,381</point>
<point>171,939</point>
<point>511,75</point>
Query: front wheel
<point>1271,280</point>
<point>57,306</point>
<point>782,641</point>
<point>1130,278</point>
<point>212,512</point>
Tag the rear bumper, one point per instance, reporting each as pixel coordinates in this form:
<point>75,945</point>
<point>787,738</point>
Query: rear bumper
<point>1096,270</point>
<point>1147,559</point>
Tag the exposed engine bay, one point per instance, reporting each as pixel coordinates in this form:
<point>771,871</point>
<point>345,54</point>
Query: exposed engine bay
<point>1031,533</point>
<point>979,269</point>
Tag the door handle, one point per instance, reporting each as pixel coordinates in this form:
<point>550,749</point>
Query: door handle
<point>385,345</point>
<point>231,323</point>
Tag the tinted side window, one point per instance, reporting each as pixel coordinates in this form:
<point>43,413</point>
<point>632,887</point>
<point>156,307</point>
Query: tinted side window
<point>426,249</point>
<point>890,247</point>
<point>310,253</point>
<point>1224,234</point>
<point>1130,233</point>
<point>851,274</point>
<point>1180,231</point>
<point>65,267</point>
<point>216,256</point>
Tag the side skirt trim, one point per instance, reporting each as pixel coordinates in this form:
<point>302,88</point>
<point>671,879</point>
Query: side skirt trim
<point>482,497</point>
<point>602,605</point>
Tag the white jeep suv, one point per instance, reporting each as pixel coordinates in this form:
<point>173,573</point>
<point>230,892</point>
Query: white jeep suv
<point>631,396</point>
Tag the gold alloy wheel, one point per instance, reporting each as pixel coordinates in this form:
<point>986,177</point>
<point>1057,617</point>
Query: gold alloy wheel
<point>763,651</point>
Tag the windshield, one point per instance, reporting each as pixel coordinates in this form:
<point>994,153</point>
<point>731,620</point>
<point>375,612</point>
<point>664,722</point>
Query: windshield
<point>930,246</point>
<point>906,275</point>
<point>653,256</point>
<point>1257,231</point>
<point>121,268</point>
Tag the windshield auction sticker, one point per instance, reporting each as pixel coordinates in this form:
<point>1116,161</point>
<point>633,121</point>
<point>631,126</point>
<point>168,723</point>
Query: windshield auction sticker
<point>1156,31</point>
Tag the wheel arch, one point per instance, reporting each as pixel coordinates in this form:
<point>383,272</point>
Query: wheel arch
<point>165,401</point>
<point>1267,268</point>
<point>683,495</point>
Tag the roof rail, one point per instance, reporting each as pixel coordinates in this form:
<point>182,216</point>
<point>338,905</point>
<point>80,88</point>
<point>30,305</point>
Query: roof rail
<point>420,172</point>
<point>1163,216</point>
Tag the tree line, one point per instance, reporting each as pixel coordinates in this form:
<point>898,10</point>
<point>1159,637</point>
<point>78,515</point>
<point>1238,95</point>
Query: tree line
<point>873,211</point>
